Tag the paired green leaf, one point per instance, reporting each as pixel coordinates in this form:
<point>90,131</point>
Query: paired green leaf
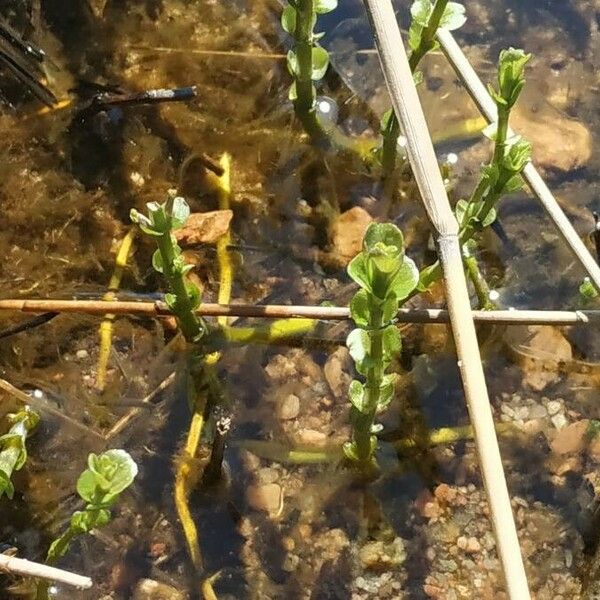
<point>421,11</point>
<point>511,76</point>
<point>100,485</point>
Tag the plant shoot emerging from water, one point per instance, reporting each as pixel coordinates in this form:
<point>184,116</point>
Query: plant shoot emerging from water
<point>13,453</point>
<point>386,278</point>
<point>307,60</point>
<point>100,486</point>
<point>183,297</point>
<point>427,18</point>
<point>503,174</point>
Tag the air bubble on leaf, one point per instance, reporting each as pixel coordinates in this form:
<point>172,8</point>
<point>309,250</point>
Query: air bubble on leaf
<point>327,110</point>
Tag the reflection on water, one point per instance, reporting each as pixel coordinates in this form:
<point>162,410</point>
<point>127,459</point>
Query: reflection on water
<point>279,529</point>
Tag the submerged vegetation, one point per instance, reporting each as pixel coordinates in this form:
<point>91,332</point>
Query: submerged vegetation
<point>270,452</point>
<point>386,278</point>
<point>13,453</point>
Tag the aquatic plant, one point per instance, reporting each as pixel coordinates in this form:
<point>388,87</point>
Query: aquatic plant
<point>427,18</point>
<point>307,61</point>
<point>386,277</point>
<point>100,485</point>
<point>184,297</point>
<point>13,453</point>
<point>503,174</point>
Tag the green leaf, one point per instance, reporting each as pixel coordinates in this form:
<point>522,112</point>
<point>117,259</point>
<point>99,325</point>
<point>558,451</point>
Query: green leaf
<point>179,213</point>
<point>193,294</point>
<point>83,521</point>
<point>292,62</point>
<point>517,155</point>
<point>415,33</point>
<point>325,6</point>
<point>405,280</point>
<point>386,392</point>
<point>108,474</point>
<point>514,184</point>
<point>138,218</point>
<point>320,62</point>
<point>350,451</point>
<point>391,342</point>
<point>288,19</point>
<point>157,262</point>
<point>389,308</point>
<point>511,79</point>
<point>293,92</point>
<point>360,308</point>
<point>171,302</point>
<point>358,396</point>
<point>462,212</point>
<point>384,233</point>
<point>453,17</point>
<point>426,275</point>
<point>6,486</point>
<point>489,218</point>
<point>359,346</point>
<point>358,269</point>
<point>587,289</point>
<point>385,121</point>
<point>420,11</point>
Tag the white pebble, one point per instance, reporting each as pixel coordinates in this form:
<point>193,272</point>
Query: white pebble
<point>553,407</point>
<point>559,421</point>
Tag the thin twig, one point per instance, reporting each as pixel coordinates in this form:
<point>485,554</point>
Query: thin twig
<point>126,419</point>
<point>407,108</point>
<point>284,311</point>
<point>21,566</point>
<point>29,324</point>
<point>487,107</point>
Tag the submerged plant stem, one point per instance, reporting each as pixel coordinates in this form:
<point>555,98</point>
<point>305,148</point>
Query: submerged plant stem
<point>304,104</point>
<point>183,475</point>
<point>190,324</point>
<point>364,421</point>
<point>106,327</point>
<point>390,139</point>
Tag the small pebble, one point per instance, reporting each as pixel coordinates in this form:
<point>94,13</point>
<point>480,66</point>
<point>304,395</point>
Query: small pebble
<point>81,354</point>
<point>507,410</point>
<point>522,413</point>
<point>473,545</point>
<point>559,421</point>
<point>553,407</point>
<point>289,408</point>
<point>264,497</point>
<point>538,412</point>
<point>311,437</point>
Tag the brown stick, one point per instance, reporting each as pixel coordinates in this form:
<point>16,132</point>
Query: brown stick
<point>282,311</point>
<point>20,566</point>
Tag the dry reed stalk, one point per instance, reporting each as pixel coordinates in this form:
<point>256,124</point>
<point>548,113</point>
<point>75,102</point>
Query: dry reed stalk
<point>21,566</point>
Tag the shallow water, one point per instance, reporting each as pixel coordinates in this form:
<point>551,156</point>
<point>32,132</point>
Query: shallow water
<point>67,186</point>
